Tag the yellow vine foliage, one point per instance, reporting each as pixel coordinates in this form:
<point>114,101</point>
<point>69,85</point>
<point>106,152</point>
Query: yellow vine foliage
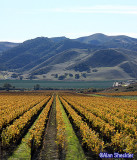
<point>90,137</point>
<point>61,132</point>
<point>131,93</point>
<point>13,132</point>
<point>16,106</point>
<point>36,132</point>
<point>118,117</point>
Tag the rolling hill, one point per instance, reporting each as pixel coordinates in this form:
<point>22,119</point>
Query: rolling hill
<point>7,45</point>
<point>95,57</point>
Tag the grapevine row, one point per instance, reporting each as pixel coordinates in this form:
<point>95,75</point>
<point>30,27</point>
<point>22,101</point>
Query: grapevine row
<point>132,93</point>
<point>113,105</point>
<point>16,111</point>
<point>124,139</point>
<point>60,125</point>
<point>96,122</point>
<point>12,133</point>
<point>37,130</point>
<point>89,137</point>
<point>100,111</point>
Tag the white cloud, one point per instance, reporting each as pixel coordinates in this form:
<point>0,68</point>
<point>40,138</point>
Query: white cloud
<point>96,9</point>
<point>12,40</point>
<point>106,9</point>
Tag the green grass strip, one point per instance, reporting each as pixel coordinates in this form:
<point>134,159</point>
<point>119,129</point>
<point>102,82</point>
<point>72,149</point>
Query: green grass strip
<point>128,97</point>
<point>23,151</point>
<point>95,95</point>
<point>74,149</point>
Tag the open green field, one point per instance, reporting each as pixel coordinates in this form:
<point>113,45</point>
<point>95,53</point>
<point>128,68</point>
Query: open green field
<point>58,84</point>
<point>128,97</point>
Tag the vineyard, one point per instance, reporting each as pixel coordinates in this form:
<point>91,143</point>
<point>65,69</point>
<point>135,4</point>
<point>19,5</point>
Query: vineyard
<point>66,125</point>
<point>133,93</point>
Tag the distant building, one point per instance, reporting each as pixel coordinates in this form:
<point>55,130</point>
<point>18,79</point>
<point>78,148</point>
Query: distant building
<point>124,84</point>
<point>117,84</point>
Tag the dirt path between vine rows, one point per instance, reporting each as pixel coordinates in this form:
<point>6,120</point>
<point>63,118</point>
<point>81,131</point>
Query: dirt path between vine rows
<point>49,149</point>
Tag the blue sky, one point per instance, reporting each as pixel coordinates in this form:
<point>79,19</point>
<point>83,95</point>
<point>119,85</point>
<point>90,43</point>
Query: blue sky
<point>26,19</point>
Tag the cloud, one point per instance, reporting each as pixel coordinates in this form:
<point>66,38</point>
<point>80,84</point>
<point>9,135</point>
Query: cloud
<point>12,40</point>
<point>96,9</point>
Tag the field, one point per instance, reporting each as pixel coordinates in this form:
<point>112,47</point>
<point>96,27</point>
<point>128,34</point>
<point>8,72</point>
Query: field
<point>126,95</point>
<point>57,84</point>
<point>65,125</point>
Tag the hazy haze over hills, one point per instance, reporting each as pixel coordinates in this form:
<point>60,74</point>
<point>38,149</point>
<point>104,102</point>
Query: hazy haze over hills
<point>94,57</point>
<point>7,45</point>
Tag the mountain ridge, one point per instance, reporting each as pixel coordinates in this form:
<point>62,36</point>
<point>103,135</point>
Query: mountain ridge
<point>7,45</point>
<point>94,57</point>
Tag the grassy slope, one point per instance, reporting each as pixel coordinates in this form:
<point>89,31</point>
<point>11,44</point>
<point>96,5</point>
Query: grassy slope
<point>1,76</point>
<point>128,97</point>
<point>74,149</point>
<point>23,151</point>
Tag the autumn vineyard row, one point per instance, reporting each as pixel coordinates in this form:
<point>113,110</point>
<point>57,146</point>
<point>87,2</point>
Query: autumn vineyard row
<point>104,124</point>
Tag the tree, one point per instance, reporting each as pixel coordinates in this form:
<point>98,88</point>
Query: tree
<point>56,76</point>
<point>62,77</point>
<point>77,76</point>
<point>37,87</point>
<point>84,75</point>
<point>20,77</point>
<point>7,86</point>
<point>14,75</point>
<point>71,75</point>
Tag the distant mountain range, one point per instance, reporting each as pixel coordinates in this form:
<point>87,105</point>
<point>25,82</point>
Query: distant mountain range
<point>7,45</point>
<point>95,57</point>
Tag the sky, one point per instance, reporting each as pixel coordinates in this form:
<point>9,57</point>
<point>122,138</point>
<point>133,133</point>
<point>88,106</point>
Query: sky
<point>21,20</point>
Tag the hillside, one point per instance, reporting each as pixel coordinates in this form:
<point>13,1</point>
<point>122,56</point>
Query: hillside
<point>95,57</point>
<point>122,41</point>
<point>7,45</point>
